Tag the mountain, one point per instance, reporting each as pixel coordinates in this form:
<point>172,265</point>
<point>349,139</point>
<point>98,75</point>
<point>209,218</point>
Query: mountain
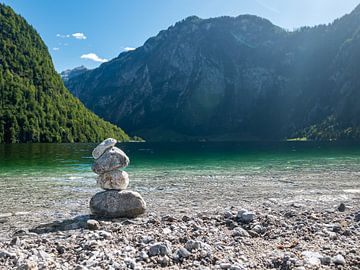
<point>70,73</point>
<point>229,78</point>
<point>34,104</point>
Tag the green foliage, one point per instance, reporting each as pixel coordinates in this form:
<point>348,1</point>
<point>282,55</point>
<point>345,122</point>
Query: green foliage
<point>34,104</point>
<point>331,130</point>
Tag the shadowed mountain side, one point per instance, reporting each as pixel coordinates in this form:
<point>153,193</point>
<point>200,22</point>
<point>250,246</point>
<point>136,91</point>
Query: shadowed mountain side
<point>232,79</point>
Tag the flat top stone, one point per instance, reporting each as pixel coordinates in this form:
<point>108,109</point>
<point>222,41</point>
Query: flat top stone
<point>102,147</point>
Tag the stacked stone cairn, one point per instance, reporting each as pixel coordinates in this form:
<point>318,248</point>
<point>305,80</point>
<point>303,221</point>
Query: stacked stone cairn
<point>115,201</point>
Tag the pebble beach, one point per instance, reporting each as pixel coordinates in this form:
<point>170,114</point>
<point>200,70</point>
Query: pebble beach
<point>271,235</point>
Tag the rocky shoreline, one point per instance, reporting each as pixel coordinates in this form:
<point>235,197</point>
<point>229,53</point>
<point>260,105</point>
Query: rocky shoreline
<point>269,235</point>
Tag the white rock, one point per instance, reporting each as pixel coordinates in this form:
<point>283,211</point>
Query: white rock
<point>115,179</point>
<point>238,231</point>
<point>102,147</point>
<point>339,260</point>
<point>166,231</point>
<point>105,234</point>
<point>5,215</point>
<point>312,258</point>
<point>225,265</point>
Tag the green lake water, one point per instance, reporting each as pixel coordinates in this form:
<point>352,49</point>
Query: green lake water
<point>56,179</point>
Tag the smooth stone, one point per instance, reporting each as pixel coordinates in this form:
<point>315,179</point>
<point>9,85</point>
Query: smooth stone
<point>116,179</point>
<point>183,253</point>
<point>312,258</point>
<point>246,216</point>
<point>93,224</point>
<point>159,249</point>
<point>225,265</point>
<point>339,260</point>
<point>102,147</point>
<point>238,231</point>
<point>6,215</point>
<point>116,204</point>
<point>112,159</point>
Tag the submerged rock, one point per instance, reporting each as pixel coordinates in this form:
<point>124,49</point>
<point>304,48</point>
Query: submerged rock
<point>113,203</point>
<point>112,159</point>
<point>102,147</point>
<point>116,179</point>
<point>342,207</point>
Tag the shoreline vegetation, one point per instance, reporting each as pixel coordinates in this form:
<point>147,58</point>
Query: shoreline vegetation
<point>268,235</point>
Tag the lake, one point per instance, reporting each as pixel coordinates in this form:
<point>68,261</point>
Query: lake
<point>56,181</point>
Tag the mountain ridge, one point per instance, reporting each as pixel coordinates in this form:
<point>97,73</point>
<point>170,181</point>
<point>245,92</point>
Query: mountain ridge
<point>209,78</point>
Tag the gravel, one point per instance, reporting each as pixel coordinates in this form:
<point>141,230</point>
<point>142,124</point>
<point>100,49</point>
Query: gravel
<point>269,235</point>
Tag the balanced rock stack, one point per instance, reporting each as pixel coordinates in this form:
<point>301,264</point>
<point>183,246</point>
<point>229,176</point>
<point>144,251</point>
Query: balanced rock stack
<point>115,201</point>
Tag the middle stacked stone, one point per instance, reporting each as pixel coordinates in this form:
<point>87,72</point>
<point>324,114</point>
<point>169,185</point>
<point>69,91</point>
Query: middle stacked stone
<point>108,162</point>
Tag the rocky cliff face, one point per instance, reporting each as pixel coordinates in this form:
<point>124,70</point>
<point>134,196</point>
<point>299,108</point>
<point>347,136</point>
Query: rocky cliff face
<point>70,73</point>
<point>230,78</point>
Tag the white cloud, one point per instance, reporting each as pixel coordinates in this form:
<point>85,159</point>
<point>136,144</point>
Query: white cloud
<point>62,36</point>
<point>127,49</point>
<point>56,49</point>
<point>79,35</point>
<point>93,57</point>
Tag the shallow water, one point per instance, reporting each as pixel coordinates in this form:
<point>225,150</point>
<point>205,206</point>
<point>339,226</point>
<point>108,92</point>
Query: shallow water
<point>55,180</point>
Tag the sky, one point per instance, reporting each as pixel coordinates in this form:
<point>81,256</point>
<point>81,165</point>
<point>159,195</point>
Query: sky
<point>90,32</point>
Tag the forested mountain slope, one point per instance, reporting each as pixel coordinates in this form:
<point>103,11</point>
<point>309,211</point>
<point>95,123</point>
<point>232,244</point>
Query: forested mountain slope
<point>34,104</point>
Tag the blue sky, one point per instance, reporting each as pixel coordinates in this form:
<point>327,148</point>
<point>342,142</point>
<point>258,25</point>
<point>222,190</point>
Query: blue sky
<point>88,32</point>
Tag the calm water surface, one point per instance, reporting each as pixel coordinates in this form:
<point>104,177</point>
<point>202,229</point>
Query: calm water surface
<point>56,179</point>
